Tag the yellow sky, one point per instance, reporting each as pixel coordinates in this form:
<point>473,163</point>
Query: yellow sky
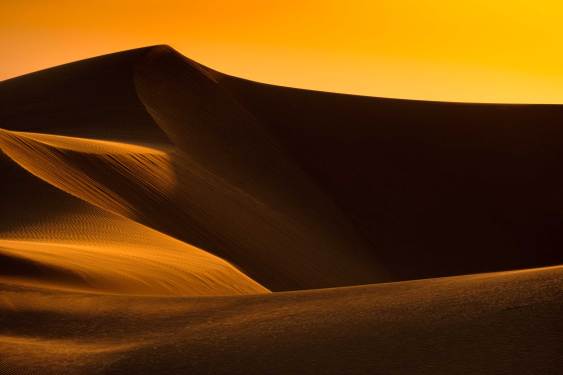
<point>485,51</point>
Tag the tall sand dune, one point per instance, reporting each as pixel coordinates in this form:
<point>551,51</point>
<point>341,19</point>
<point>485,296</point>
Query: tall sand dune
<point>149,207</point>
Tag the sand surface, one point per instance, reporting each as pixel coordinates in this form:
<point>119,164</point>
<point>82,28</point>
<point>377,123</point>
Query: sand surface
<point>157,216</point>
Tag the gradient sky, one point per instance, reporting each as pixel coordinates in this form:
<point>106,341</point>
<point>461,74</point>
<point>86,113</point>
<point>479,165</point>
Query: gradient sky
<point>483,51</point>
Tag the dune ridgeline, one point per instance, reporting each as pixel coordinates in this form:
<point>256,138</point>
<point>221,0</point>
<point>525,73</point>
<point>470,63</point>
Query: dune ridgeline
<point>157,216</point>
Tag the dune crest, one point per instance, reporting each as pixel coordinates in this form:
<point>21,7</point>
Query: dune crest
<point>91,248</point>
<point>89,169</point>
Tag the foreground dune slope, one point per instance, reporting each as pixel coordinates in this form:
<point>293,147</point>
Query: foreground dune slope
<point>500,323</point>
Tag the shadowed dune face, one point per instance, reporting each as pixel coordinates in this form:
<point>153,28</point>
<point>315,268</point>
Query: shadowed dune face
<point>93,99</point>
<point>436,188</point>
<point>136,183</point>
<point>254,204</point>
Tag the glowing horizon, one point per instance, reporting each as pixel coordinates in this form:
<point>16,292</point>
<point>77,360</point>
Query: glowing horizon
<point>432,50</point>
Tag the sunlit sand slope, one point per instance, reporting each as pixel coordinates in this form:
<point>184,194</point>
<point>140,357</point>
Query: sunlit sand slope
<point>97,171</point>
<point>503,323</point>
<point>61,241</point>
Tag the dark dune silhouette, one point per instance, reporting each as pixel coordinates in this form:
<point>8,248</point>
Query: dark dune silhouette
<point>151,205</point>
<point>436,188</point>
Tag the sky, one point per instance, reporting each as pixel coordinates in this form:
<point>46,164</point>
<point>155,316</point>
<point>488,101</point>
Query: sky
<point>470,51</point>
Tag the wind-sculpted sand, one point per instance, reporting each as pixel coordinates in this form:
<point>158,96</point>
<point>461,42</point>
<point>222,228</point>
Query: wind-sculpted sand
<point>157,216</point>
<point>94,249</point>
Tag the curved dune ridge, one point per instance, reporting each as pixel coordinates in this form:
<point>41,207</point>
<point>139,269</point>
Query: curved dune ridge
<point>136,183</point>
<point>91,249</point>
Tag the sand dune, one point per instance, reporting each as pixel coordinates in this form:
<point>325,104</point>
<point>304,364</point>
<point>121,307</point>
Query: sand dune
<point>150,204</point>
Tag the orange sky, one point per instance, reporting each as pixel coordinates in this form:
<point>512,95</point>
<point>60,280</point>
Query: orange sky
<point>485,51</point>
